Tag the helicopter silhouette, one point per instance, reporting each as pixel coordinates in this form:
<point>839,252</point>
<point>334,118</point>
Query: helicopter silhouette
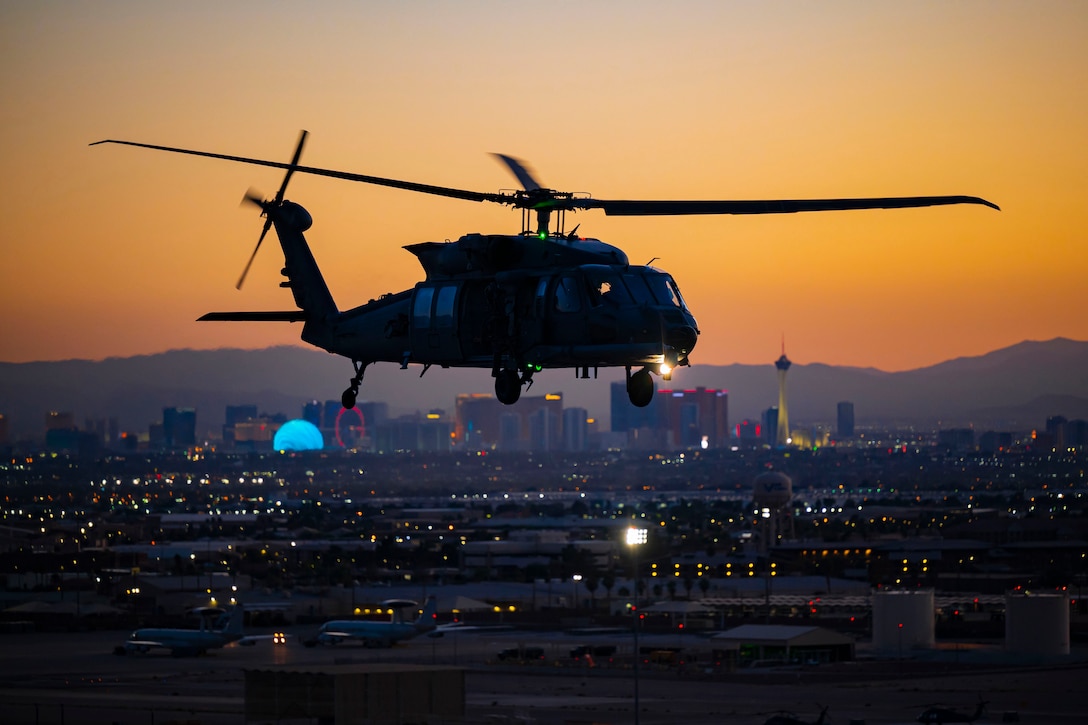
<point>939,715</point>
<point>511,303</point>
<point>789,718</point>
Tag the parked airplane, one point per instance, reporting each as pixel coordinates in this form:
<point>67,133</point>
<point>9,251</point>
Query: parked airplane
<point>379,634</point>
<point>191,642</point>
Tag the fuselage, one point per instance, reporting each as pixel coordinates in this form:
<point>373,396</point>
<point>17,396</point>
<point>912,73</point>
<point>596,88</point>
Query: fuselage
<point>183,638</point>
<point>579,305</point>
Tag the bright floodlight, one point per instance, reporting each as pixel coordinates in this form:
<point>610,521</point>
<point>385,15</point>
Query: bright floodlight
<point>636,536</point>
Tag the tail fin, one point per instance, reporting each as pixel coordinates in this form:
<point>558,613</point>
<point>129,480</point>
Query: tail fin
<point>303,276</point>
<point>426,620</point>
<point>234,621</point>
<point>317,307</point>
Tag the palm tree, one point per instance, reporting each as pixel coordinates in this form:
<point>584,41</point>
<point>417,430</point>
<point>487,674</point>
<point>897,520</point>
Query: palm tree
<point>591,583</point>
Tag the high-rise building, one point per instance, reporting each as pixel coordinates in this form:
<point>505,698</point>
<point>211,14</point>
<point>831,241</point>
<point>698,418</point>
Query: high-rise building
<point>178,427</point>
<point>846,419</point>
<point>544,429</point>
<point>415,432</point>
<point>1076,433</point>
<point>235,416</point>
<point>509,431</point>
<point>748,432</point>
<point>626,416</point>
<point>695,418</point>
<point>240,413</point>
<point>374,412</point>
<point>311,413</point>
<point>1055,428</point>
<point>782,364</point>
<point>575,429</point>
<point>770,426</point>
<point>476,421</point>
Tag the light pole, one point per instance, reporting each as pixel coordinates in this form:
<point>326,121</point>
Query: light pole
<point>574,582</point>
<point>636,537</point>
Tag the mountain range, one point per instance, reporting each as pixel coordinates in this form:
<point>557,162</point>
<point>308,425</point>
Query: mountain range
<point>1015,388</point>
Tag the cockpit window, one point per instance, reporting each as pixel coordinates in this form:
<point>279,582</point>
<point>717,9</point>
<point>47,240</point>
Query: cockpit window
<point>665,290</point>
<point>636,284</point>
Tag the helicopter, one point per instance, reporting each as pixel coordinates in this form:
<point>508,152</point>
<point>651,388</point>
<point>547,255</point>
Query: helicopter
<point>512,303</point>
<point>789,718</point>
<point>939,714</point>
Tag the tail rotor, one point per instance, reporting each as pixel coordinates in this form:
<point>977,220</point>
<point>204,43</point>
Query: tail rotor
<point>273,204</point>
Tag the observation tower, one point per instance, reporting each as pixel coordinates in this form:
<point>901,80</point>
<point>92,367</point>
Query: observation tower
<point>783,365</point>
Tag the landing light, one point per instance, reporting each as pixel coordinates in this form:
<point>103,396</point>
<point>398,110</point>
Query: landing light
<point>666,371</point>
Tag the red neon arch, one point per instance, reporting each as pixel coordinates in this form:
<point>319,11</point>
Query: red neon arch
<point>340,415</point>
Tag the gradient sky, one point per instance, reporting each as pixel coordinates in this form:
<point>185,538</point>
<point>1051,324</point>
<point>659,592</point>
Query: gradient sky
<point>115,251</point>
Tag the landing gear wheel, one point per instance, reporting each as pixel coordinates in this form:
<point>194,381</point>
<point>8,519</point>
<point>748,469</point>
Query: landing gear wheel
<point>347,399</point>
<point>640,388</point>
<point>508,386</point>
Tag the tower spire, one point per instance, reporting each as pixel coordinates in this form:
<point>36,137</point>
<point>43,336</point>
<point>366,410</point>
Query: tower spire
<point>782,436</point>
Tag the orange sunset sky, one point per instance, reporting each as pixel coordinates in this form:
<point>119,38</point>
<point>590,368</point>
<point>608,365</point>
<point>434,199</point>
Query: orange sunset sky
<point>115,251</point>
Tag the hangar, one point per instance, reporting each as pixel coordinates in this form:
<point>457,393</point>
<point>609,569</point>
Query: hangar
<point>777,644</point>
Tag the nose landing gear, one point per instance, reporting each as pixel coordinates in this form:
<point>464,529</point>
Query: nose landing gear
<point>347,399</point>
<point>508,386</point>
<point>640,387</point>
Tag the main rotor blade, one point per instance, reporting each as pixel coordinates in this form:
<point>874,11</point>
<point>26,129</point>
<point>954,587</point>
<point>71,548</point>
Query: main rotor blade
<point>781,206</point>
<point>294,165</point>
<point>242,279</point>
<point>520,171</point>
<point>363,178</point>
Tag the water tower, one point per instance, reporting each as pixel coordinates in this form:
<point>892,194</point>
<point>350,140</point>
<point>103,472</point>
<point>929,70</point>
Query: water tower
<point>772,493</point>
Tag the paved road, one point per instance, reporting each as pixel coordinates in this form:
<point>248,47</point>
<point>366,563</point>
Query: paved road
<point>75,678</point>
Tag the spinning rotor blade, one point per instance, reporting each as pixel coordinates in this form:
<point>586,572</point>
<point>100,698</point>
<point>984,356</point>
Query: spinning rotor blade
<point>534,196</point>
<point>267,224</point>
<point>782,206</point>
<point>377,180</point>
<point>275,203</point>
<point>520,171</point>
<point>294,164</point>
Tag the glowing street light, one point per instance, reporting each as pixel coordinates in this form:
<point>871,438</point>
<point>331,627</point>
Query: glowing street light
<point>636,537</point>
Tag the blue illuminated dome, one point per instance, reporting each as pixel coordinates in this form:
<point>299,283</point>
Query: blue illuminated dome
<point>298,435</point>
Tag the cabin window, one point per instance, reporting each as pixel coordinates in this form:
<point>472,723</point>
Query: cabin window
<point>566,295</point>
<point>444,307</point>
<point>607,287</point>
<point>421,309</point>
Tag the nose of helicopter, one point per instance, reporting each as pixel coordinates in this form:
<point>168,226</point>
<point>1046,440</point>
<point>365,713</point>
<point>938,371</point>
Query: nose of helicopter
<point>681,337</point>
<point>678,330</point>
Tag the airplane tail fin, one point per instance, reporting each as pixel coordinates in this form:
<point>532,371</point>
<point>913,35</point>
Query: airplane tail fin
<point>233,621</point>
<point>426,621</point>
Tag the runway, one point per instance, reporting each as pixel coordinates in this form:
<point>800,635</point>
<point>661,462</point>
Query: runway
<point>75,678</point>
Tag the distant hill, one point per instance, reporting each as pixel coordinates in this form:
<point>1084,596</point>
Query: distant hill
<point>1013,388</point>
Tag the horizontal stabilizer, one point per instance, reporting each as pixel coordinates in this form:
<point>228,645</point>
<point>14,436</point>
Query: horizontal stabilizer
<point>289,316</point>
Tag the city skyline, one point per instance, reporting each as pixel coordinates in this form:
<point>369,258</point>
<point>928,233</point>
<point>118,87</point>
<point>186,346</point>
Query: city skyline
<point>1017,388</point>
<point>115,252</point>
